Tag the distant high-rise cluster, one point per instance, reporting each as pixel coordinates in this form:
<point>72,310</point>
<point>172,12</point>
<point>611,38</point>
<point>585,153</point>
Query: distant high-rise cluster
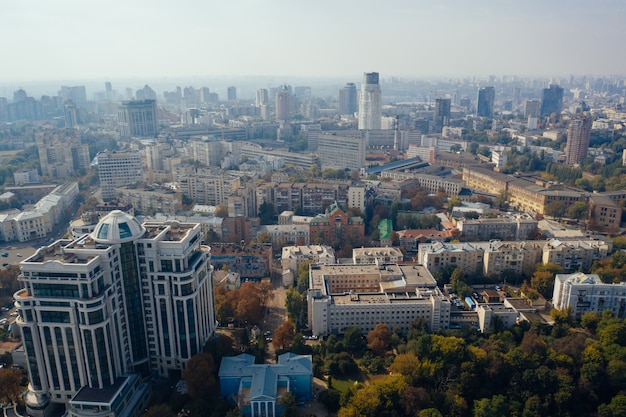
<point>486,98</point>
<point>578,136</point>
<point>348,99</point>
<point>370,102</point>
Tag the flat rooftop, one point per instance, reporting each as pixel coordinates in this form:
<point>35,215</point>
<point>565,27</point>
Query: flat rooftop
<point>104,395</point>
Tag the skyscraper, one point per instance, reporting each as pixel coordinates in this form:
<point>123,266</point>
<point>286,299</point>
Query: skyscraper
<point>347,99</point>
<point>370,102</point>
<point>262,97</point>
<point>578,135</point>
<point>486,97</point>
<point>531,108</point>
<point>117,169</point>
<point>137,118</point>
<point>551,100</point>
<point>102,311</point>
<point>232,93</point>
<point>283,103</point>
<point>442,113</point>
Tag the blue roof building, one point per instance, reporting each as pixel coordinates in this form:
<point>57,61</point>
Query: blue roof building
<point>257,389</point>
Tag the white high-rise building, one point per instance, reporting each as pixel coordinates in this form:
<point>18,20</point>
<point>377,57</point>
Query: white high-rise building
<point>101,312</point>
<point>117,169</point>
<point>370,102</point>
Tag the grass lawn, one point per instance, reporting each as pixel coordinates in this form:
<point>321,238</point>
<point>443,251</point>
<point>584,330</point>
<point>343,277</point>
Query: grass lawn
<point>363,378</point>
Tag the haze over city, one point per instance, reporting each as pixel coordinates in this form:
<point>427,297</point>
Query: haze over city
<point>73,40</point>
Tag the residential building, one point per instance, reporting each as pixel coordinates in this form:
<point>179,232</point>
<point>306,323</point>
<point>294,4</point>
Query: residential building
<point>137,118</point>
<point>502,228</point>
<point>205,188</point>
<point>531,108</point>
<point>291,234</point>
<point>251,261</point>
<point>232,93</point>
<point>578,136</point>
<point>370,102</point>
<point>61,153</point>
<point>294,256</point>
<point>258,389</point>
<point>284,103</point>
<point>149,200</point>
<point>128,299</point>
<point>348,295</point>
<point>575,255</point>
<point>586,292</point>
<point>117,169</point>
<point>309,198</point>
<point>348,99</point>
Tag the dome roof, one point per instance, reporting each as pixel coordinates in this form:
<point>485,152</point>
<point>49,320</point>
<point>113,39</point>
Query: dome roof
<point>117,227</point>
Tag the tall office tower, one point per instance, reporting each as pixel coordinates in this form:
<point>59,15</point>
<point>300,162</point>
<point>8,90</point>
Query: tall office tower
<point>117,169</point>
<point>137,118</point>
<point>486,97</point>
<point>578,135</point>
<point>531,108</point>
<point>283,103</point>
<point>108,91</point>
<point>77,94</point>
<point>517,93</point>
<point>146,93</point>
<point>232,93</point>
<point>262,97</point>
<point>103,311</point>
<point>370,102</point>
<point>442,113</point>
<point>551,100</point>
<point>204,94</point>
<point>347,99</point>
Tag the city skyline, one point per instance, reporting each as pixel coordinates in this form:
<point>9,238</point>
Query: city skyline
<point>322,39</point>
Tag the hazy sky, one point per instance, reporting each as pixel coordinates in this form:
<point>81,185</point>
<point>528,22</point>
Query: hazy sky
<point>78,39</point>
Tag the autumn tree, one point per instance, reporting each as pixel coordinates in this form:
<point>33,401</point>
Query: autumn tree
<point>303,277</point>
<point>284,335</point>
<point>221,211</point>
<point>199,375</point>
<point>378,340</point>
<point>10,384</point>
<point>8,280</point>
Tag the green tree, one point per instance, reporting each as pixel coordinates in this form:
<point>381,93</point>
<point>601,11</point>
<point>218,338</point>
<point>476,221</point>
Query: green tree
<point>555,209</point>
<point>578,210</point>
<point>266,213</point>
<point>295,304</point>
<point>353,340</point>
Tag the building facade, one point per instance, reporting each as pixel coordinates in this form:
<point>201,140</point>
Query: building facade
<point>348,295</point>
<point>370,102</point>
<point>586,292</point>
<point>337,151</point>
<point>137,118</point>
<point>348,99</point>
<point>578,137</point>
<point>129,298</point>
<point>117,169</point>
<point>486,98</point>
